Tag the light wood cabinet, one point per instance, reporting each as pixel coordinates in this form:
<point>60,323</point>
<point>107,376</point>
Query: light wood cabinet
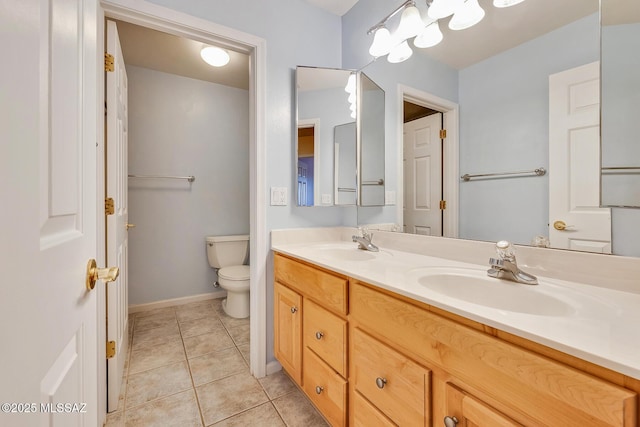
<point>369,357</point>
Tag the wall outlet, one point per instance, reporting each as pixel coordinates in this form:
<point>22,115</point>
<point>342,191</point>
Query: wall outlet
<point>389,197</point>
<point>278,196</point>
<point>326,199</point>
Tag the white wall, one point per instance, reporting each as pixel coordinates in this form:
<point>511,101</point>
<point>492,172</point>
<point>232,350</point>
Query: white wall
<point>181,126</point>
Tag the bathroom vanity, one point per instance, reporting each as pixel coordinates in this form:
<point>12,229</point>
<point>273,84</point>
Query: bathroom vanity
<point>375,338</point>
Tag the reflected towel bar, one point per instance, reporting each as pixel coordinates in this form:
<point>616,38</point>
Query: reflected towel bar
<point>350,190</point>
<point>377,182</point>
<point>188,178</point>
<point>537,172</point>
<point>621,170</point>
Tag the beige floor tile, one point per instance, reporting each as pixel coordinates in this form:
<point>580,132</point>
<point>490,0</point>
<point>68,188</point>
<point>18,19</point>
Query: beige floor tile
<point>207,343</point>
<point>158,312</point>
<point>239,334</point>
<point>155,336</point>
<point>156,383</point>
<point>278,384</point>
<point>213,366</point>
<point>296,411</point>
<point>262,416</point>
<point>176,410</point>
<point>156,321</point>
<point>195,311</point>
<point>115,419</point>
<point>232,322</point>
<point>245,350</point>
<point>192,328</point>
<point>229,396</point>
<point>154,357</point>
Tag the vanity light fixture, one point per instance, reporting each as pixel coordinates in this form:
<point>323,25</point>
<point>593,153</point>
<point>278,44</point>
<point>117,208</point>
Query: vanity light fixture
<point>466,13</point>
<point>214,56</point>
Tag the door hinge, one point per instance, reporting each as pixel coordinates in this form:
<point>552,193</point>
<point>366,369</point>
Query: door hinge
<point>108,62</point>
<point>111,349</point>
<point>109,206</point>
<point>443,204</point>
<point>443,133</point>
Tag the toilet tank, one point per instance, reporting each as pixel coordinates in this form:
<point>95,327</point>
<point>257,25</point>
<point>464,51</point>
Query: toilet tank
<point>225,251</point>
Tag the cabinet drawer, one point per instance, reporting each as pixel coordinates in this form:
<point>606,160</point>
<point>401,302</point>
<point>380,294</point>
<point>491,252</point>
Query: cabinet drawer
<point>394,384</point>
<point>326,389</point>
<point>325,288</point>
<point>366,415</point>
<point>326,335</point>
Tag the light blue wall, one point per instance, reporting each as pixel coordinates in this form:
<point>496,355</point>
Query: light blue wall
<point>181,126</point>
<point>504,126</point>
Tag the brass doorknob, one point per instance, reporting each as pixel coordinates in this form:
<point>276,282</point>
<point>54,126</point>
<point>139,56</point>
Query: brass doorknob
<point>94,273</point>
<point>561,225</point>
<point>128,226</point>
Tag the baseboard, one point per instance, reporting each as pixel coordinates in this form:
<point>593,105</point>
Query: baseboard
<point>273,367</point>
<point>137,308</point>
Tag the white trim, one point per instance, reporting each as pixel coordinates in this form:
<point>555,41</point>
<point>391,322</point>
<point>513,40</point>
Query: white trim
<point>450,152</point>
<point>139,308</point>
<point>144,13</point>
<point>315,123</point>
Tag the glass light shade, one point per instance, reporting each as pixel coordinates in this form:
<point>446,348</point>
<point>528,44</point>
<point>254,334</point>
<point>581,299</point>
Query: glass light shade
<point>411,24</point>
<point>351,84</point>
<point>467,16</point>
<point>506,3</point>
<point>352,97</point>
<point>443,8</point>
<point>382,43</point>
<point>400,53</point>
<point>214,56</point>
<point>353,114</point>
<point>431,36</point>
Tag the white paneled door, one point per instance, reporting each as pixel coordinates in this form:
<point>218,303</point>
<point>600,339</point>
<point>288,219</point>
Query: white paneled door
<point>48,325</point>
<point>117,224</point>
<point>422,151</point>
<point>575,219</point>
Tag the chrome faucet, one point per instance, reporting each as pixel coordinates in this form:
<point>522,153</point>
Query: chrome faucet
<point>506,267</point>
<point>364,241</point>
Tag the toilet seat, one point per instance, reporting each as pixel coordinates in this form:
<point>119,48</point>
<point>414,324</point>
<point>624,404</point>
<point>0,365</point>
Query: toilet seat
<point>235,273</point>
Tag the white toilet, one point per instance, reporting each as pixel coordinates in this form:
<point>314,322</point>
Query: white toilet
<point>228,254</point>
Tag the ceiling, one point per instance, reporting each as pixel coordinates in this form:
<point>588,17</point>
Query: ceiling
<point>501,29</point>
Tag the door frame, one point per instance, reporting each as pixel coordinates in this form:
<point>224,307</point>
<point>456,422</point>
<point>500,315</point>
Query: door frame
<point>450,152</point>
<point>315,124</point>
<point>143,13</point>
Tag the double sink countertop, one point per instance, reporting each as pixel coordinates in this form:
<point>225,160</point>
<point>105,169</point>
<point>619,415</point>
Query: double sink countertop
<point>571,309</point>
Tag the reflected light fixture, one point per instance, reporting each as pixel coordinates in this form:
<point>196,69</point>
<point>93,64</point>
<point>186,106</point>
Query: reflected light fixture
<point>214,56</point>
<point>468,15</point>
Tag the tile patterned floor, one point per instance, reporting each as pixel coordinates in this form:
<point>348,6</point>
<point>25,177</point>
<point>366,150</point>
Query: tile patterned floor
<point>188,366</point>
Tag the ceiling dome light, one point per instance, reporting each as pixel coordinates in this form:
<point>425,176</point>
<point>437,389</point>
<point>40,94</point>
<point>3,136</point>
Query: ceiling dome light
<point>400,53</point>
<point>443,8</point>
<point>430,37</point>
<point>411,23</point>
<point>214,56</point>
<point>382,43</point>
<point>506,3</point>
<point>467,16</point>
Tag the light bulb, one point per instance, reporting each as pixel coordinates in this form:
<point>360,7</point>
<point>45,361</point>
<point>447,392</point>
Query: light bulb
<point>467,16</point>
<point>214,56</point>
<point>382,43</point>
<point>400,53</point>
<point>431,36</point>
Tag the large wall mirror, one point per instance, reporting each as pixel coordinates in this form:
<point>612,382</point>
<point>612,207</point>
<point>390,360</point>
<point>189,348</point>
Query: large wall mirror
<point>620,79</point>
<point>339,160</point>
<point>513,93</point>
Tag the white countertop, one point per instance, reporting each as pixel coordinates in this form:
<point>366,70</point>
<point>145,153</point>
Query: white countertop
<point>594,323</point>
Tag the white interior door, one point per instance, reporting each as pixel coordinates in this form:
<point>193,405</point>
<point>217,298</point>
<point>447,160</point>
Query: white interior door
<point>48,319</point>
<point>117,242</point>
<point>422,150</point>
<point>574,162</point>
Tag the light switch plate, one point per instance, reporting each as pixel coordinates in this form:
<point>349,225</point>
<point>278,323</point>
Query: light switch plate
<point>278,196</point>
<point>326,199</point>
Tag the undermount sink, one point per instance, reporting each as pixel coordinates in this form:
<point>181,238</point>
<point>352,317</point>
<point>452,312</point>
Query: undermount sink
<point>474,286</point>
<point>345,252</point>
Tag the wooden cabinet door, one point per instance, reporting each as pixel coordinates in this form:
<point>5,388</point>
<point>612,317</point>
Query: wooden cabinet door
<point>471,412</point>
<point>288,330</point>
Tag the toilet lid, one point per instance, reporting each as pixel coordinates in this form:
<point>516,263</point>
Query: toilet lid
<point>235,272</point>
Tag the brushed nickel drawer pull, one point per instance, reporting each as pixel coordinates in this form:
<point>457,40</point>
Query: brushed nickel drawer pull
<point>450,421</point>
<point>381,382</point>
<point>319,335</point>
<point>319,389</point>
<point>294,309</point>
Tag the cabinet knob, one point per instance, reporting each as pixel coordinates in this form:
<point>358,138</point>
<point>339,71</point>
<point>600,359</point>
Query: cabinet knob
<point>294,309</point>
<point>319,389</point>
<point>450,421</point>
<point>381,382</point>
<point>319,335</point>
